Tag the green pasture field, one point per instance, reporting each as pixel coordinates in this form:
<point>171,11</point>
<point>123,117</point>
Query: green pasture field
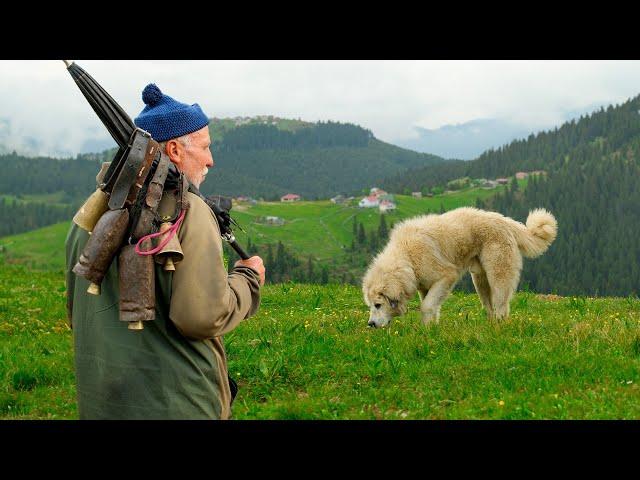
<point>308,353</point>
<point>319,228</point>
<point>48,198</point>
<point>324,230</point>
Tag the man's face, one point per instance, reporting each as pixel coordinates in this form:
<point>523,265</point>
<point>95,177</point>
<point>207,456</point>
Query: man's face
<point>195,159</point>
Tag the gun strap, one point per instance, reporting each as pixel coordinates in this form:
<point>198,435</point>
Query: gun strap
<point>144,210</point>
<point>135,170</point>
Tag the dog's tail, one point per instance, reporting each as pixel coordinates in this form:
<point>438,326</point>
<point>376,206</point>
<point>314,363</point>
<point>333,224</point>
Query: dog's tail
<point>540,232</point>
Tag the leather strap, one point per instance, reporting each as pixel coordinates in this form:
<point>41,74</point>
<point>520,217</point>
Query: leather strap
<point>128,184</point>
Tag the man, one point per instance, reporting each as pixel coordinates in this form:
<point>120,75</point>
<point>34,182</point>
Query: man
<point>176,367</point>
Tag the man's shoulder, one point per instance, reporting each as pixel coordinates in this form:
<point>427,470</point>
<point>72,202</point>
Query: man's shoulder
<point>199,211</point>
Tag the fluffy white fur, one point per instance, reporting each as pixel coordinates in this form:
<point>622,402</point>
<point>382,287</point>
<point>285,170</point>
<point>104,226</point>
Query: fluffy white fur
<point>430,253</point>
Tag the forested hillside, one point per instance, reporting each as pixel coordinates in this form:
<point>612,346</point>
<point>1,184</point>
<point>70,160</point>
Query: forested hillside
<point>592,187</point>
<point>263,157</point>
<point>317,161</point>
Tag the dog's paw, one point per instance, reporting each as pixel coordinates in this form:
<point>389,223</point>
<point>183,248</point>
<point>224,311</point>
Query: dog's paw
<point>430,317</point>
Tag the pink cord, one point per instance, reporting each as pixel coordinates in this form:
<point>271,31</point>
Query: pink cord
<point>170,233</point>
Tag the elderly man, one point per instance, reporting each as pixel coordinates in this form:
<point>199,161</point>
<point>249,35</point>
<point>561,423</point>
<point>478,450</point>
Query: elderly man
<point>176,367</point>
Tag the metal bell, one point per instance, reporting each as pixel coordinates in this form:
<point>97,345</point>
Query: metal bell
<point>171,253</point>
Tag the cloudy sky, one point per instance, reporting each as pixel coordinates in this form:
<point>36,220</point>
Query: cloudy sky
<point>42,110</point>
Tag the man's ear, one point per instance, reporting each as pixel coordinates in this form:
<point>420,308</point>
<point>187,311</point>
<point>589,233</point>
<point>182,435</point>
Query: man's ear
<point>173,149</point>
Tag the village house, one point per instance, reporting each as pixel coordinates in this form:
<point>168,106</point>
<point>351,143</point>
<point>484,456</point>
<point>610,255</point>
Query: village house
<point>369,202</point>
<point>521,175</point>
<point>338,199</point>
<point>290,197</point>
<point>273,220</point>
<point>245,199</point>
<point>377,192</point>
<point>488,184</point>
<point>386,205</point>
<point>502,181</point>
<point>416,194</point>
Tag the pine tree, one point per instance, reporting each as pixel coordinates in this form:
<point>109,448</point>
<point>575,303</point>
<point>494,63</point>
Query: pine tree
<point>382,230</point>
<point>514,185</point>
<point>362,239</point>
<point>310,272</point>
<point>324,279</point>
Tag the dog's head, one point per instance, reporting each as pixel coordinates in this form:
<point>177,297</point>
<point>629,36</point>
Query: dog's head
<point>386,291</point>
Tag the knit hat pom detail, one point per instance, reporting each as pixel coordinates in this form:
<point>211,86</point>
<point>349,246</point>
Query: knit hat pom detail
<point>151,94</point>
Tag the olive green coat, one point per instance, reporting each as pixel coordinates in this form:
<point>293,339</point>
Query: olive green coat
<point>176,367</point>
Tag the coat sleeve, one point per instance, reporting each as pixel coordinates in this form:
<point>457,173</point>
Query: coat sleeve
<point>207,302</point>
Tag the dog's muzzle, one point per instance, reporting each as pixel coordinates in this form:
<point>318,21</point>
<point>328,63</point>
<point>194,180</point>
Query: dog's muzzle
<point>378,322</point>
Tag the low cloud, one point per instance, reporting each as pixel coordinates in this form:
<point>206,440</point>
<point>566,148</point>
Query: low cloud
<point>46,112</point>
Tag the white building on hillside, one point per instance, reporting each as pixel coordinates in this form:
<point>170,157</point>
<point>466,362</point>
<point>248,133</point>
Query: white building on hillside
<point>369,202</point>
<point>386,206</point>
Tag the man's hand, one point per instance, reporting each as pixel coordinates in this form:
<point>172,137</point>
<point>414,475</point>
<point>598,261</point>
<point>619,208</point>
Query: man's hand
<point>254,262</point>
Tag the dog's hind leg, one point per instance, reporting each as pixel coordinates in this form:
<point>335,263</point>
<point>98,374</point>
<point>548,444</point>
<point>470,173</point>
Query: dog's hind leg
<point>438,292</point>
<point>502,264</point>
<point>484,291</point>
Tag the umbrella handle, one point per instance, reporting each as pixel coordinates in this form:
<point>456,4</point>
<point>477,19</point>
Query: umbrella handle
<point>68,63</point>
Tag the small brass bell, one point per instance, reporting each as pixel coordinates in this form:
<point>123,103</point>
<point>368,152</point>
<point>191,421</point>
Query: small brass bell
<point>171,253</point>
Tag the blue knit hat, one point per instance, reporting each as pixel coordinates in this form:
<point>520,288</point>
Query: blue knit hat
<point>165,118</point>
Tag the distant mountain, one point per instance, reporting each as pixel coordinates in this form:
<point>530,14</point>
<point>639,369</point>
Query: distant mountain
<point>468,140</point>
<point>464,141</point>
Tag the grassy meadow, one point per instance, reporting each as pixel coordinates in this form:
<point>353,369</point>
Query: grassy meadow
<point>308,353</point>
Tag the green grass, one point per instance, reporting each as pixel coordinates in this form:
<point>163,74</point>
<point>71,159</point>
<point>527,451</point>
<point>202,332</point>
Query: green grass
<point>324,230</point>
<point>308,354</point>
<point>36,352</point>
<point>41,249</point>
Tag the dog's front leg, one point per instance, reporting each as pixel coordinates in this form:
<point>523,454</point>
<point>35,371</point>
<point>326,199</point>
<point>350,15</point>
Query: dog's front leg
<point>430,305</point>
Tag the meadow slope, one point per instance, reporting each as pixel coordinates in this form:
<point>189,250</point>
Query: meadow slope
<point>308,353</point>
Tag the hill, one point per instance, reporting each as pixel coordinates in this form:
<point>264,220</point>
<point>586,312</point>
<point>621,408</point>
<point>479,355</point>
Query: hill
<point>274,156</point>
<point>261,158</point>
<point>319,233</point>
<point>592,186</point>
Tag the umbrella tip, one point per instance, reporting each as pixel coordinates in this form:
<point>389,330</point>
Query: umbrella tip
<point>68,63</point>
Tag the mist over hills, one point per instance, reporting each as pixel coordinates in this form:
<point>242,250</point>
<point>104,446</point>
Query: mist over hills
<point>468,140</point>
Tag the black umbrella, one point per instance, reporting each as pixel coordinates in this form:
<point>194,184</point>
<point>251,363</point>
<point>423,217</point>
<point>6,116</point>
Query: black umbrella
<point>113,117</point>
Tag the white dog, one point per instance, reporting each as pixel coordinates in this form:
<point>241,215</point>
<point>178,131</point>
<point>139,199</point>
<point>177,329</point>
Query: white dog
<point>430,253</point>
